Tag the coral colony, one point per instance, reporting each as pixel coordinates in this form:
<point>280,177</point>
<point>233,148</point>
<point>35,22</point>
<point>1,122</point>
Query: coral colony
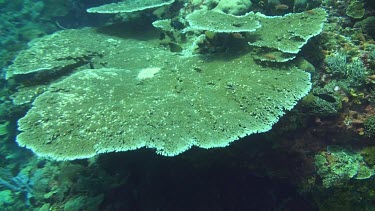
<point>116,101</point>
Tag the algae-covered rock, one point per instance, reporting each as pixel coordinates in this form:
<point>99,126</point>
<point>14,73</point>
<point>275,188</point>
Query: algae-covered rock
<point>83,203</point>
<point>367,25</point>
<point>300,5</point>
<point>321,105</point>
<point>368,154</point>
<point>323,101</point>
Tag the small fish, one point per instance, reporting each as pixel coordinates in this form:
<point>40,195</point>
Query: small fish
<point>371,77</point>
<point>237,35</point>
<point>281,7</point>
<point>327,98</point>
<point>310,12</point>
<point>269,56</point>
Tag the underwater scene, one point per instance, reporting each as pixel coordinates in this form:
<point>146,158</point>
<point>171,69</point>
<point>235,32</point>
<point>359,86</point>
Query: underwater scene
<point>181,105</point>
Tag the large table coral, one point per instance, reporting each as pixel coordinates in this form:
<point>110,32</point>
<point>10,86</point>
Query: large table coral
<point>147,96</point>
<point>129,6</point>
<point>279,37</point>
<point>53,53</point>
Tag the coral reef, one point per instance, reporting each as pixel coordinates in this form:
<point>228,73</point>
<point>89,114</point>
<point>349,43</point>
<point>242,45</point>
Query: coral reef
<point>159,127</point>
<point>318,156</point>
